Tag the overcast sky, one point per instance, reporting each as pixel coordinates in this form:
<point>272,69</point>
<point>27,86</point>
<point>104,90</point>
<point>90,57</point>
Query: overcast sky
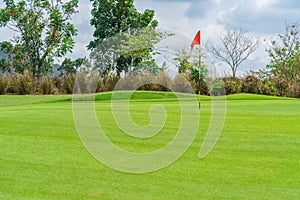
<point>263,18</point>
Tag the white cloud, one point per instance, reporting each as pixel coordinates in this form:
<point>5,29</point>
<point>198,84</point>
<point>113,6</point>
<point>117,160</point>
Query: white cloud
<point>265,18</point>
<point>81,21</point>
<point>261,4</point>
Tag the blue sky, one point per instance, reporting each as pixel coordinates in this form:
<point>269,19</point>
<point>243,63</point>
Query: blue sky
<point>262,18</point>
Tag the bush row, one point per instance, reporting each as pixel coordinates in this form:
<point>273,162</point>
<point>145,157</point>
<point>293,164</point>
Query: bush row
<point>23,84</point>
<point>254,84</point>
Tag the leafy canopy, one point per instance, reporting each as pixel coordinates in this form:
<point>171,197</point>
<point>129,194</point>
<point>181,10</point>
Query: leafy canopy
<point>111,17</point>
<point>114,21</point>
<point>43,32</point>
<point>285,54</point>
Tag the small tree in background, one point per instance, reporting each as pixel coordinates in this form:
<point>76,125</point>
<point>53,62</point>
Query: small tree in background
<point>188,66</point>
<point>139,49</point>
<point>69,66</point>
<point>182,59</point>
<point>233,48</point>
<point>285,55</point>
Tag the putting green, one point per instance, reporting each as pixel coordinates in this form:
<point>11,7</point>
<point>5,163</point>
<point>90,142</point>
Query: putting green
<point>257,155</point>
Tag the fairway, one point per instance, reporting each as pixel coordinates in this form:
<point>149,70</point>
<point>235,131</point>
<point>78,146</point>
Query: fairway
<point>256,157</point>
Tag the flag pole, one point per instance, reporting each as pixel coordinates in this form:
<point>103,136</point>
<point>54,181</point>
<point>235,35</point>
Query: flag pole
<point>197,40</point>
<point>199,77</point>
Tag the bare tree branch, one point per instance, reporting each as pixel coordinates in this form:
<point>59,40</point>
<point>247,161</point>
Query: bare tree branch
<point>233,48</point>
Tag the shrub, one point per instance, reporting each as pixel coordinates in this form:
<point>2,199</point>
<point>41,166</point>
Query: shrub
<point>82,83</point>
<point>217,88</point>
<point>3,84</point>
<point>294,89</point>
<point>252,84</point>
<point>57,84</point>
<point>181,84</point>
<point>163,81</point>
<point>148,81</point>
<point>131,82</point>
<point>269,87</point>
<point>68,83</point>
<point>101,86</point>
<point>94,83</point>
<point>109,83</point>
<point>282,87</point>
<point>23,84</point>
<point>46,86</point>
<point>232,85</point>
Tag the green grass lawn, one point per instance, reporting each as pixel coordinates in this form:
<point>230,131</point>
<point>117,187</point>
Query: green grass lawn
<point>256,157</point>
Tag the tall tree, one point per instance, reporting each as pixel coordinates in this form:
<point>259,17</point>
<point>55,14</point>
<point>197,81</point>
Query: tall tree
<point>43,32</point>
<point>233,48</point>
<point>285,54</point>
<point>138,48</point>
<point>113,19</point>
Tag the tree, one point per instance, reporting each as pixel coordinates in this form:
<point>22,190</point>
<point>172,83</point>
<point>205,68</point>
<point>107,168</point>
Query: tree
<point>233,48</point>
<point>44,32</point>
<point>69,66</point>
<point>285,54</point>
<point>188,64</point>
<point>112,19</point>
<point>182,57</point>
<point>15,61</point>
<point>138,48</point>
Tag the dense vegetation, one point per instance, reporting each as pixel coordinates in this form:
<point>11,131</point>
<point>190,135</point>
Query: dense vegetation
<point>123,45</point>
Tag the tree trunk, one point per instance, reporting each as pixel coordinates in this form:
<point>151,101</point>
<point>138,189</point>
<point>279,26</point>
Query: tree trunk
<point>233,73</point>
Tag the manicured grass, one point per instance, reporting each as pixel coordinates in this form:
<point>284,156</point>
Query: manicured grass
<point>256,157</point>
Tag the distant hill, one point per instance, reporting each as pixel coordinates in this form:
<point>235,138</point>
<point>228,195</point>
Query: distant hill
<point>55,72</point>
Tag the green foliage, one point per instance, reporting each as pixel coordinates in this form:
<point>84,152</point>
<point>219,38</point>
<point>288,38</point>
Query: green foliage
<point>69,66</point>
<point>188,65</point>
<point>113,22</point>
<point>16,60</point>
<point>199,73</point>
<point>43,32</point>
<point>138,48</point>
<point>285,54</point>
<point>110,18</point>
<point>129,53</point>
<point>182,57</point>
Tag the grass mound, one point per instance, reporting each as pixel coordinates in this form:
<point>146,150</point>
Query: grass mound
<point>14,100</point>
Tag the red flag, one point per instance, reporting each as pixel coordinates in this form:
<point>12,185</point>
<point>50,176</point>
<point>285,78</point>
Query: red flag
<point>196,40</point>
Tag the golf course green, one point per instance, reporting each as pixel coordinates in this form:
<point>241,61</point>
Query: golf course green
<point>256,157</point>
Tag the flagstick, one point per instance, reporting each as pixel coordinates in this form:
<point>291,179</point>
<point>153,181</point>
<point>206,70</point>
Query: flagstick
<point>198,41</point>
<point>199,72</point>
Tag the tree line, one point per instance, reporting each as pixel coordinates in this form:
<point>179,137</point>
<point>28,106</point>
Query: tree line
<point>123,45</point>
